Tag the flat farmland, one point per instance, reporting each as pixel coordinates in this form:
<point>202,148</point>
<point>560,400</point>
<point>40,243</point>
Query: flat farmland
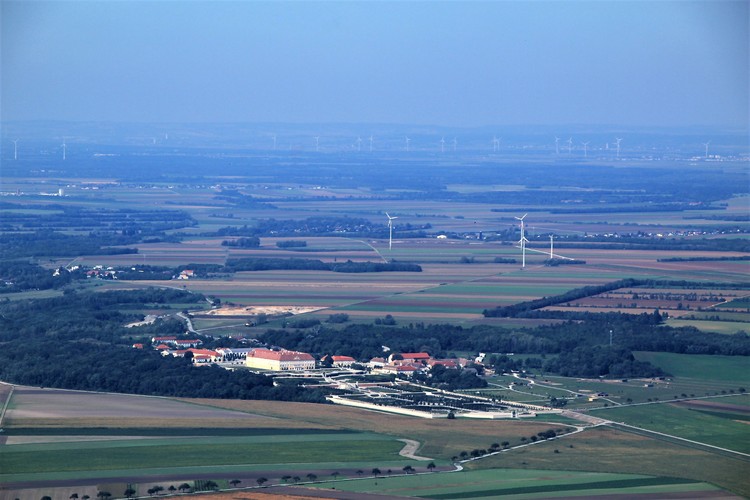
<point>604,449</point>
<point>522,483</point>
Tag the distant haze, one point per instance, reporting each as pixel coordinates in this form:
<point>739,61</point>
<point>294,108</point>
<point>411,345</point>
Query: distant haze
<point>462,64</point>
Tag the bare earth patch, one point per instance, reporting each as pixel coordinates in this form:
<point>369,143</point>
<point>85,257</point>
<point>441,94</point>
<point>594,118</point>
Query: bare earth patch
<point>255,310</point>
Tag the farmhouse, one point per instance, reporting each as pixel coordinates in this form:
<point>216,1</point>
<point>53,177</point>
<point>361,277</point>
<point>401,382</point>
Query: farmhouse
<point>266,359</point>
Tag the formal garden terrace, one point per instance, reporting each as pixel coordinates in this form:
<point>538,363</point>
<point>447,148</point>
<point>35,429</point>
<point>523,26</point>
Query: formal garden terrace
<point>419,401</point>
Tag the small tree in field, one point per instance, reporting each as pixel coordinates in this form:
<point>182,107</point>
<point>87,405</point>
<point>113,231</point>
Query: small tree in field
<point>235,482</point>
<point>261,481</point>
<point>431,466</point>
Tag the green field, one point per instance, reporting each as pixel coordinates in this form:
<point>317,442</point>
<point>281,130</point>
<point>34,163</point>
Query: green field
<point>724,327</point>
<point>718,428</point>
<point>733,369</point>
<point>19,460</point>
<point>530,483</point>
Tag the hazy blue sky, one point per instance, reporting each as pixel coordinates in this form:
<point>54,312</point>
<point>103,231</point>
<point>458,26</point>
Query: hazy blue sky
<point>461,63</point>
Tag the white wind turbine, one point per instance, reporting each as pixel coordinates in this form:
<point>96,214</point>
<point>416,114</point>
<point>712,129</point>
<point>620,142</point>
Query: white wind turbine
<point>523,241</point>
<point>15,149</point>
<point>586,149</point>
<point>495,143</point>
<point>557,145</point>
<point>570,145</point>
<point>706,144</point>
<point>617,144</point>
<point>359,144</point>
<point>371,138</point>
<point>407,144</point>
<point>551,247</point>
<point>274,142</point>
<point>317,143</point>
<point>65,148</point>
<point>390,230</point>
<point>455,143</point>
<point>442,145</point>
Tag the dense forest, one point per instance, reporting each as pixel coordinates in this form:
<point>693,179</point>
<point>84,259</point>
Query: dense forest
<point>78,341</point>
<point>571,341</point>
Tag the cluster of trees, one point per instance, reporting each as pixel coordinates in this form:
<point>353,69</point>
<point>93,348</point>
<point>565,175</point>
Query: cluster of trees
<point>518,309</point>
<point>71,217</point>
<point>78,341</point>
<point>554,262</point>
<point>322,226</point>
<point>704,259</point>
<point>48,242</point>
<point>249,242</point>
<point>249,264</point>
<point>291,244</point>
<point>18,276</point>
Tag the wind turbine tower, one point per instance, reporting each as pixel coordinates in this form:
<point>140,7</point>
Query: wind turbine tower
<point>442,145</point>
<point>407,144</point>
<point>65,148</point>
<point>557,145</point>
<point>495,144</point>
<point>390,230</point>
<point>522,241</point>
<point>317,143</point>
<point>274,142</point>
<point>15,149</point>
<point>570,145</point>
<point>706,144</point>
<point>371,138</point>
<point>455,143</point>
<point>586,149</point>
<point>551,247</point>
<point>359,144</point>
<point>617,144</point>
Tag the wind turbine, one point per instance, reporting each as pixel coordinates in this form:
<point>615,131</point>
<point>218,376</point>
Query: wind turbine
<point>371,144</point>
<point>390,230</point>
<point>317,143</point>
<point>274,142</point>
<point>570,145</point>
<point>359,144</point>
<point>617,143</point>
<point>557,145</point>
<point>551,247</point>
<point>442,145</point>
<point>523,241</point>
<point>706,144</point>
<point>455,142</point>
<point>585,149</point>
<point>15,149</point>
<point>495,143</point>
<point>407,144</point>
<point>65,147</point>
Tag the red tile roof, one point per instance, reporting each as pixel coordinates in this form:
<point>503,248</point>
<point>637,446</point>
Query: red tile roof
<point>281,355</point>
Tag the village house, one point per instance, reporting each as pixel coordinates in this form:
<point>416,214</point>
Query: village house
<point>266,359</point>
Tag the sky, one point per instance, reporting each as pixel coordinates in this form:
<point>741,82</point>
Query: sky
<point>465,64</point>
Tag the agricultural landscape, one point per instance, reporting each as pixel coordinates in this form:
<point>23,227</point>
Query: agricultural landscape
<point>618,314</point>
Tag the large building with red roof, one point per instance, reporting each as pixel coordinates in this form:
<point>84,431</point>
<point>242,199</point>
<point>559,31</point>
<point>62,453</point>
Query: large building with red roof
<point>266,359</point>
